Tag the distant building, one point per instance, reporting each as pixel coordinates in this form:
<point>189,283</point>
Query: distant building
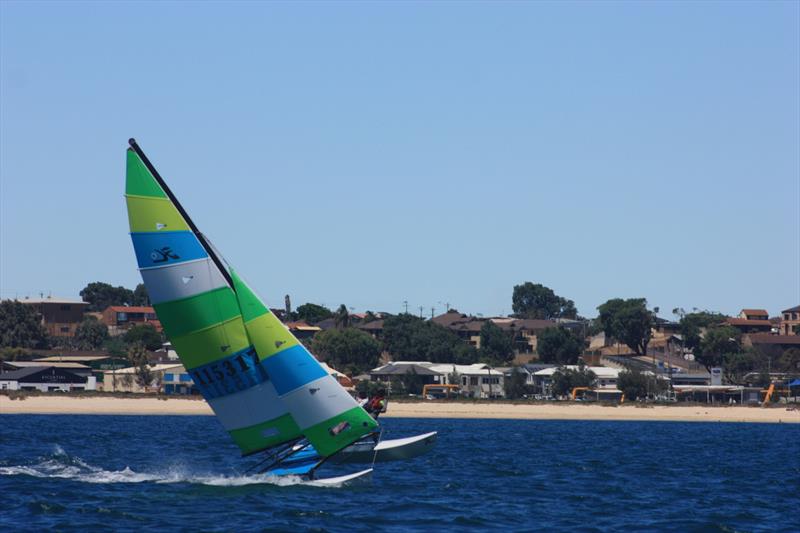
<point>302,330</point>
<point>475,381</point>
<point>60,317</point>
<point>790,319</point>
<point>124,380</point>
<point>751,321</point>
<point>771,345</point>
<point>120,318</point>
<point>45,379</point>
<point>606,382</point>
<point>176,380</point>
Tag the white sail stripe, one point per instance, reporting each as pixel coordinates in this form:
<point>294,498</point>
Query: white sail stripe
<point>329,399</point>
<point>247,408</point>
<point>182,280</point>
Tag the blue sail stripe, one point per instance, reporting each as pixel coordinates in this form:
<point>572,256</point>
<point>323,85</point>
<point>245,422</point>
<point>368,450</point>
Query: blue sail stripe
<point>164,248</point>
<point>292,368</point>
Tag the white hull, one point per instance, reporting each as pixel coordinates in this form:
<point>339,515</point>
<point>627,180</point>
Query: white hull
<point>342,480</point>
<point>386,450</point>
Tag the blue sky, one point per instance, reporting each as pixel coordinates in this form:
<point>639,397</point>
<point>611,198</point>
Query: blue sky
<point>371,153</point>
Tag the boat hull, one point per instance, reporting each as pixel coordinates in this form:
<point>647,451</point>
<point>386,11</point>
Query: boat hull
<point>366,451</point>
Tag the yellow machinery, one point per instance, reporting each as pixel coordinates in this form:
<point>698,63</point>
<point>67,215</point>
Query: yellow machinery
<point>431,388</point>
<point>768,394</point>
<point>575,391</point>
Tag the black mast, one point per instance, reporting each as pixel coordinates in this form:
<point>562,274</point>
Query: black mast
<point>203,241</point>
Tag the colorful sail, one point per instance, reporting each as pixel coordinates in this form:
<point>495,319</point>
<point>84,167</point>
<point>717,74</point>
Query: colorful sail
<point>263,385</point>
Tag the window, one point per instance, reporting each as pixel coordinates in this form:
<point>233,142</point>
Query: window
<point>186,378</point>
<point>490,381</point>
<point>150,316</point>
<point>473,380</point>
<point>169,377</point>
<point>122,317</point>
<point>64,329</point>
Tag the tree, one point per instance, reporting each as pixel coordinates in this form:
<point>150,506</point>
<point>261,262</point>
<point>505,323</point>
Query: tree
<point>410,338</point>
<point>140,296</point>
<point>313,313</point>
<point>716,343</point>
<point>633,384</point>
<point>137,355</point>
<point>736,365</point>
<point>349,350</point>
<point>91,334</point>
<point>412,382</point>
<point>692,326</point>
<point>341,317</point>
<point>21,326</point>
<point>627,321</point>
<point>100,295</point>
<point>533,300</point>
<point>566,379</point>
<point>559,346</point>
<point>497,346</point>
<point>790,361</point>
<point>515,385</point>
<point>144,334</point>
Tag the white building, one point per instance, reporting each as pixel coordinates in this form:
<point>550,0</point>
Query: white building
<point>606,381</point>
<point>124,379</point>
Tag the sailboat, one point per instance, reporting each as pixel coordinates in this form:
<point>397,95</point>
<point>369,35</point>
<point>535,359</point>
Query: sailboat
<point>269,393</point>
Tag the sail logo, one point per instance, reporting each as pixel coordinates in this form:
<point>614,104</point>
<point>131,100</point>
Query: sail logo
<point>160,226</point>
<point>162,255</point>
<point>338,428</point>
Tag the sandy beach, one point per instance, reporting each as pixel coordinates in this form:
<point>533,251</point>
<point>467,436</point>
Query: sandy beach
<point>566,411</point>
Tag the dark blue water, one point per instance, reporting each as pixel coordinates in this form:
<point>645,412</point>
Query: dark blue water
<point>182,473</point>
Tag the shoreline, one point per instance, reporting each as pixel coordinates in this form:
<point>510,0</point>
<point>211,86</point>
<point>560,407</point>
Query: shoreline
<point>99,405</point>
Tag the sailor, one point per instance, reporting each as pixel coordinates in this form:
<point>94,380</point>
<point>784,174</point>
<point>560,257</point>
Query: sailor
<point>377,404</point>
<point>362,400</point>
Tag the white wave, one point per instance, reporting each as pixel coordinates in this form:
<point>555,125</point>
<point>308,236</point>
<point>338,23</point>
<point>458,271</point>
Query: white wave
<point>63,466</point>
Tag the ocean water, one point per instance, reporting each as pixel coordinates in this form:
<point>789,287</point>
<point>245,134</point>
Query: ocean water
<point>171,473</point>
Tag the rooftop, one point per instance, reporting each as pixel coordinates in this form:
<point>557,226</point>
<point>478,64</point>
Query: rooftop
<point>130,309</point>
<point>51,300</point>
<point>794,309</point>
<point>42,364</point>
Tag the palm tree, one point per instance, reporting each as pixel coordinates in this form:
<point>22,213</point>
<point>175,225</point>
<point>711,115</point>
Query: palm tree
<point>341,317</point>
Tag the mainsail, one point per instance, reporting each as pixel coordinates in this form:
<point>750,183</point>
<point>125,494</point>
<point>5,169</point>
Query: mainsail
<point>263,385</point>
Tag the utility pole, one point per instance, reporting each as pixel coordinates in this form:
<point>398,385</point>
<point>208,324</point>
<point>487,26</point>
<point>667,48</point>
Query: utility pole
<point>433,310</point>
<point>405,303</point>
<point>420,311</point>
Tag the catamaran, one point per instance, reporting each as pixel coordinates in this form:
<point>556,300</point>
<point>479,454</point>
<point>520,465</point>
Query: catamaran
<point>267,390</point>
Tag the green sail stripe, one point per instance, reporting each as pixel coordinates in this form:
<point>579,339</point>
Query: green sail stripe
<point>147,213</point>
<point>212,344</point>
<point>138,179</point>
<point>181,317</point>
<point>360,423</point>
<point>266,434</point>
<point>269,336</point>
<point>250,304</point>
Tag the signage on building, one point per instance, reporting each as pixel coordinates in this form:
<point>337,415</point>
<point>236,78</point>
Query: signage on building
<point>716,376</point>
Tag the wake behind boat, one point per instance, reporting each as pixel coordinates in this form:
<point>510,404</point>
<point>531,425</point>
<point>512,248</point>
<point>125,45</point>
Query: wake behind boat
<point>268,391</point>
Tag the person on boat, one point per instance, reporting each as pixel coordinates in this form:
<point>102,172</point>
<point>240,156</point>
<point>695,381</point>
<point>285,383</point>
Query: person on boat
<point>377,404</point>
<point>362,399</point>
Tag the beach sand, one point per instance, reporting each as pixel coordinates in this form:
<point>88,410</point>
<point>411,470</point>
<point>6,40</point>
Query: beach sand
<point>431,409</point>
